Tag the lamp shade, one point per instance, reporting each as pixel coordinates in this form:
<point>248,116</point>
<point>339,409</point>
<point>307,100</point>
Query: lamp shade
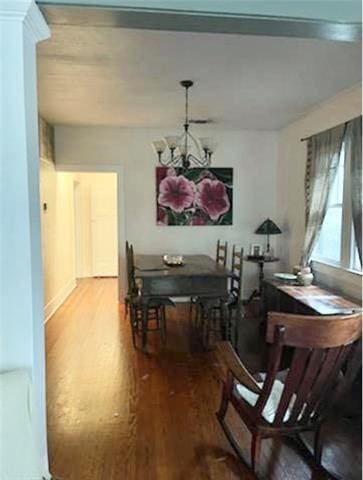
<point>159,146</point>
<point>172,141</point>
<point>208,144</point>
<point>268,227</point>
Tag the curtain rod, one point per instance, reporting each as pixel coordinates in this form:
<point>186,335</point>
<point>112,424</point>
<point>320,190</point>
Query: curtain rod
<point>345,125</point>
<point>308,138</point>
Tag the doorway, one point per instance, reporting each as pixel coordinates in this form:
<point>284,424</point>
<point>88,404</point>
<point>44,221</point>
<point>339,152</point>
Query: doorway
<point>81,230</point>
<point>95,225</point>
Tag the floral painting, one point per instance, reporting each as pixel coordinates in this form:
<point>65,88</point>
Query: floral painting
<point>194,196</point>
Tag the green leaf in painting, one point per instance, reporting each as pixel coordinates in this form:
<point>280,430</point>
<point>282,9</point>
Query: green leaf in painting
<point>226,219</point>
<point>225,175</point>
<point>193,174</point>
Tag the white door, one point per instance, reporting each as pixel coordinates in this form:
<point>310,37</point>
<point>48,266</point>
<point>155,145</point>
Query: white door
<point>104,231</point>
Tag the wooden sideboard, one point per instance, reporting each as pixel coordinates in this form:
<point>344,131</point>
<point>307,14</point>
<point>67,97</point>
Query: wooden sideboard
<point>312,300</point>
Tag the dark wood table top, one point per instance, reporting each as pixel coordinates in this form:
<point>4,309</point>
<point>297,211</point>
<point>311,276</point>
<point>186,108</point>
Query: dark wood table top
<point>247,258</point>
<point>323,301</point>
<point>153,266</point>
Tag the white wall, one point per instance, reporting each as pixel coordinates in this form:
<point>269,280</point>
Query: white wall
<point>21,293</point>
<point>291,173</point>
<point>58,241</point>
<point>253,154</point>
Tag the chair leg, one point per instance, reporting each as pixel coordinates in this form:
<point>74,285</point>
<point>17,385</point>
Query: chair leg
<point>127,307</point>
<point>235,331</point>
<point>198,316</point>
<point>158,315</point>
<point>226,395</point>
<point>133,315</point>
<point>318,445</point>
<point>255,450</point>
<point>191,304</point>
<point>207,320</point>
<point>144,324</point>
<point>163,324</point>
<point>236,324</point>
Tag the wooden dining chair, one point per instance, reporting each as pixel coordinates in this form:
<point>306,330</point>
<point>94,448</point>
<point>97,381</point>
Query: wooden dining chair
<point>221,259</point>
<point>131,286</point>
<point>324,362</point>
<point>155,307</point>
<point>234,301</point>
<point>221,316</point>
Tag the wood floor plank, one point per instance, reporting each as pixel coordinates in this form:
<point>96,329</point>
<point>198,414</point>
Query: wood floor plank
<point>115,413</point>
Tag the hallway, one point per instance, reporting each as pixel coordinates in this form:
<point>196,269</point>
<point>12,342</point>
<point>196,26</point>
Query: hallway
<point>114,413</point>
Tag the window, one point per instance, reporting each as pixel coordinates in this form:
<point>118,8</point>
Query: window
<point>336,244</point>
<point>355,262</point>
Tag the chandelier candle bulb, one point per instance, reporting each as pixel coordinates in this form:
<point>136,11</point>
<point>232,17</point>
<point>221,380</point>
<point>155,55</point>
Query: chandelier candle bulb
<point>205,142</point>
<point>208,144</point>
<point>159,146</point>
<point>172,141</point>
<point>212,146</point>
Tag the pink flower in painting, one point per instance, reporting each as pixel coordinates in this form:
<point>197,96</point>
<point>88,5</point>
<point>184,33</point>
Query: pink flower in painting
<point>207,174</point>
<point>171,172</point>
<point>176,193</point>
<point>212,198</point>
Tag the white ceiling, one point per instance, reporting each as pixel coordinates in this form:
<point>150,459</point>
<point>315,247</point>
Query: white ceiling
<point>130,78</point>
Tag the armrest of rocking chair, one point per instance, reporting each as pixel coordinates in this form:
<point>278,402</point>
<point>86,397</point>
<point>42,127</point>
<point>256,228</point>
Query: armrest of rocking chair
<point>239,371</point>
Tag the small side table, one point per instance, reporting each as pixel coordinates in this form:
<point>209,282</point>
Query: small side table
<point>260,262</point>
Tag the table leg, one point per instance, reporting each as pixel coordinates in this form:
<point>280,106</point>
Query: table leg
<point>257,292</point>
<point>225,321</point>
<point>253,295</point>
<point>144,327</point>
<point>261,276</point>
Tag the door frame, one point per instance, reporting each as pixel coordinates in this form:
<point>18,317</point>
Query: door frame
<point>121,212</point>
<point>76,218</point>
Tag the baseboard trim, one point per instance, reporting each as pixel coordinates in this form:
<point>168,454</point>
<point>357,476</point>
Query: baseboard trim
<point>58,299</point>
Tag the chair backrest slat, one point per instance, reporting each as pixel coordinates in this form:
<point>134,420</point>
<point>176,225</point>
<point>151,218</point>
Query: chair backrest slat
<point>293,379</point>
<point>354,362</point>
<point>272,369</point>
<point>312,370</point>
<point>331,382</point>
<point>221,254</point>
<point>320,384</point>
<point>237,270</point>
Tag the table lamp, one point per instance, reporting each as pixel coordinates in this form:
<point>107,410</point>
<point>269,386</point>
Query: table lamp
<point>268,227</point>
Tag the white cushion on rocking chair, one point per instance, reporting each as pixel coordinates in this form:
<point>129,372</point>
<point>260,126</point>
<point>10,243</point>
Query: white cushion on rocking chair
<point>272,402</point>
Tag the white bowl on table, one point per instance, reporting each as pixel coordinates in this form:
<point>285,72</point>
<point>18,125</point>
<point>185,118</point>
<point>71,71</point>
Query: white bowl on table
<point>173,260</point>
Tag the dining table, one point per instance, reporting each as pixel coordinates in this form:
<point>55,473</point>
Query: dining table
<point>198,276</point>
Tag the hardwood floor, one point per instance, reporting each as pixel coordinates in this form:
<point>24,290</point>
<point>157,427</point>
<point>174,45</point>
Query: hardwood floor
<point>115,413</point>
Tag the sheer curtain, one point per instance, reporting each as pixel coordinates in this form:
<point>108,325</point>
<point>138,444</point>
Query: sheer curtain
<point>321,167</point>
<point>353,154</point>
